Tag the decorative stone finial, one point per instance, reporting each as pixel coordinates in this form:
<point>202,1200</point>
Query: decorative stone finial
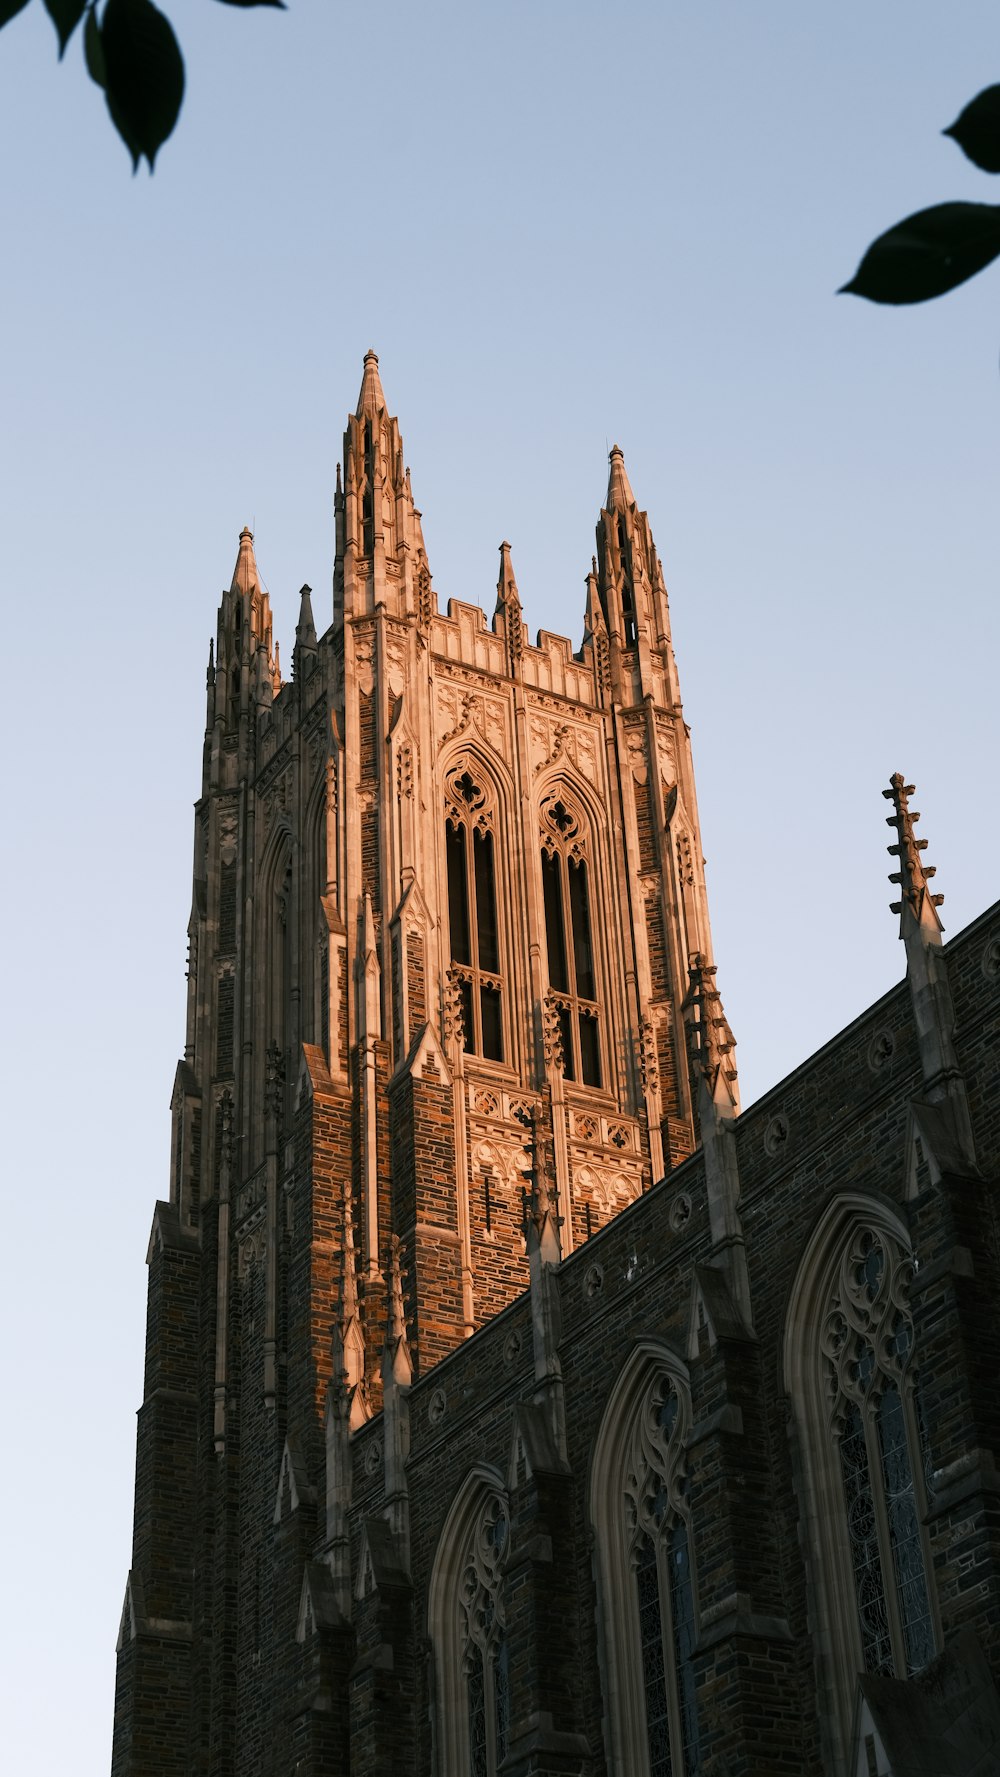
<point>913,874</point>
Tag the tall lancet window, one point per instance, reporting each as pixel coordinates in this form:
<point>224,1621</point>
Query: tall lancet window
<point>628,585</point>
<point>643,1539</point>
<point>868,1351</point>
<point>484,1656</point>
<point>569,942</point>
<point>470,842</point>
<point>850,1371</point>
<point>465,1614</point>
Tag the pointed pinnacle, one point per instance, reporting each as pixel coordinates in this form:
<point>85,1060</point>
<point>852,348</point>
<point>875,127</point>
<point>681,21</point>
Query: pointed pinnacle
<point>305,629</point>
<point>620,496</point>
<point>371,399</point>
<point>396,1314</point>
<point>245,572</point>
<point>348,1304</point>
<point>506,585</point>
<point>276,670</point>
<point>210,675</point>
<point>913,874</point>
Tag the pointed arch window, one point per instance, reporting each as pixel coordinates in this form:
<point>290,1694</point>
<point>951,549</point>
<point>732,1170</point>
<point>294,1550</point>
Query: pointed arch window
<point>645,1563</point>
<point>569,938</point>
<point>868,1349</point>
<point>485,1660</point>
<point>850,1369</point>
<point>470,848</point>
<point>468,1631</point>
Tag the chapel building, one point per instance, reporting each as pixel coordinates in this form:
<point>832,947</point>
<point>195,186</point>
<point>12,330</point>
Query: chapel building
<point>513,1406</point>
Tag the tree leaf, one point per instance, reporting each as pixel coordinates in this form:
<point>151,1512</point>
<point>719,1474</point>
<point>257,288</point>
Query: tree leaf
<point>977,130</point>
<point>93,50</point>
<point>928,253</point>
<point>280,3</point>
<point>9,9</point>
<point>65,15</point>
<point>144,75</point>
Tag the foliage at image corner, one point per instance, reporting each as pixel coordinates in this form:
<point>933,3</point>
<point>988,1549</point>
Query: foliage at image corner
<point>130,51</point>
<point>932,251</point>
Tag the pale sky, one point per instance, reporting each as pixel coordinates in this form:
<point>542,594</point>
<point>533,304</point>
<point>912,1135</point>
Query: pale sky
<point>561,226</point>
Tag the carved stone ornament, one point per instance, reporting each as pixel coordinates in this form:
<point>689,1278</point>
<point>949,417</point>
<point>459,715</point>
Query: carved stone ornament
<point>395,660</point>
<point>252,1249</point>
<point>655,1472</point>
<point>404,772</point>
<point>867,1339</point>
<point>552,1042</point>
<point>480,1596</point>
<point>649,1063</point>
<point>635,747</point>
<point>776,1135</point>
<point>437,1406</point>
<point>364,652</point>
<point>505,1161</point>
<point>593,1282</point>
<point>551,741</point>
<point>607,1187</point>
<point>512,1347</point>
<point>881,1050</point>
<point>679,1213</point>
<point>373,1457</point>
<point>991,960</point>
<point>461,710</point>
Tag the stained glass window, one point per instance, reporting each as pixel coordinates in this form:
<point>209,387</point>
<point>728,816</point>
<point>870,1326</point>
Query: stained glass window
<point>486,1659</point>
<point>472,911</point>
<point>568,939</point>
<point>869,1348</point>
<point>655,1508</point>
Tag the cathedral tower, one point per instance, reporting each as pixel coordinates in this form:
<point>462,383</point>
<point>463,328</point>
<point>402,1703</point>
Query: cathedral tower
<point>450,1007</point>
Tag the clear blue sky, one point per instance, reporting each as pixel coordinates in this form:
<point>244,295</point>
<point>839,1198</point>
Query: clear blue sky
<point>560,225</point>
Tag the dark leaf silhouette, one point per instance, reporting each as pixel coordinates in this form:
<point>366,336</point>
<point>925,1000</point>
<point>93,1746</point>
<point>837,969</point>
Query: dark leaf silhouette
<point>977,130</point>
<point>928,253</point>
<point>9,9</point>
<point>65,15</point>
<point>93,50</point>
<point>280,3</point>
<point>143,75</point>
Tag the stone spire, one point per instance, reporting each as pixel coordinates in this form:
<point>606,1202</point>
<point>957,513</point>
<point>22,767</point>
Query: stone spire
<point>371,399</point>
<point>348,1341</point>
<point>926,970</point>
<point>397,1376</point>
<point>305,629</point>
<point>710,1047</point>
<point>620,496</point>
<point>507,618</point>
<point>380,547</point>
<point>710,1039</point>
<point>632,594</point>
<point>916,906</point>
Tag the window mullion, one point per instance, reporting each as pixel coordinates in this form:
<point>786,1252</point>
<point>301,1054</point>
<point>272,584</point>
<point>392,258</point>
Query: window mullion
<point>574,1008</point>
<point>476,1043</point>
<point>669,1660</point>
<point>896,1636</point>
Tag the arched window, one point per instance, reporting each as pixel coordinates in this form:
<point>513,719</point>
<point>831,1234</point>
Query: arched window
<point>849,1359</point>
<point>569,945</point>
<point>643,1542</point>
<point>470,831</point>
<point>465,1607</point>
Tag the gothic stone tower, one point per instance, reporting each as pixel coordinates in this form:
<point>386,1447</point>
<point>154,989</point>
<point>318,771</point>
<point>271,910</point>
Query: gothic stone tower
<point>450,1005</point>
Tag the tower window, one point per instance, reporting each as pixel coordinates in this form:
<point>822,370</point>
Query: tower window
<point>569,946</point>
<point>472,912</point>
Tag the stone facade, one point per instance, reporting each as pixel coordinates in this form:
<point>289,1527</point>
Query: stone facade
<point>511,1402</point>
